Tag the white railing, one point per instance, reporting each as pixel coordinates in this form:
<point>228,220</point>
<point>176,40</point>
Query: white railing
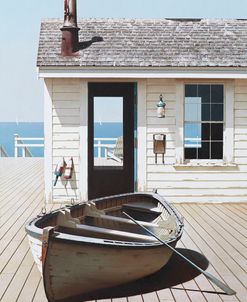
<point>104,146</point>
<point>20,143</point>
<point>3,152</point>
<point>193,142</point>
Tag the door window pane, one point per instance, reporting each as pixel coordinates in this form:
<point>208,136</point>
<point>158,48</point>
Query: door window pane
<point>108,131</point>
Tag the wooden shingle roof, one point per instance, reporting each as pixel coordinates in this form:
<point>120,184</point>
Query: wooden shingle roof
<point>154,43</point>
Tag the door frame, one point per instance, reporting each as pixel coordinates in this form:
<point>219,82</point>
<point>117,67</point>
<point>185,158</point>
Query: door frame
<point>111,180</point>
<point>141,153</point>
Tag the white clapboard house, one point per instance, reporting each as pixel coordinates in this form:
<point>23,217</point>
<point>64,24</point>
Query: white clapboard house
<point>102,82</point>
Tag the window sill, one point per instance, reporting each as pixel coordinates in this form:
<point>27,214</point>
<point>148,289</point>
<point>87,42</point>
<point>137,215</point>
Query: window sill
<point>206,164</point>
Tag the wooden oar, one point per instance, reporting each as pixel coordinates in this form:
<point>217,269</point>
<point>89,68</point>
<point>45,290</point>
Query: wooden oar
<point>217,282</point>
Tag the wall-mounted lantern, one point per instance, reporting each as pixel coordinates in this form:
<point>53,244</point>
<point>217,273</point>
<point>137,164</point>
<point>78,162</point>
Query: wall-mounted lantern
<point>161,107</point>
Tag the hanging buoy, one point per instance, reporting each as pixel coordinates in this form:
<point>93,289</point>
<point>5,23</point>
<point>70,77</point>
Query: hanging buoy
<point>59,170</point>
<point>69,169</point>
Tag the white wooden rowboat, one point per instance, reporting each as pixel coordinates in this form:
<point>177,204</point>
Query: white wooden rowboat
<point>91,246</point>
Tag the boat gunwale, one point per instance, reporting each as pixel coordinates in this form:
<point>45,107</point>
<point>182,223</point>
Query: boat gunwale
<point>37,232</point>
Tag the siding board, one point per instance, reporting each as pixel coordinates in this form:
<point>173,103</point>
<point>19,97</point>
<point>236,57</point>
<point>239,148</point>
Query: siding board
<point>57,112</point>
<point>61,96</point>
<point>66,105</point>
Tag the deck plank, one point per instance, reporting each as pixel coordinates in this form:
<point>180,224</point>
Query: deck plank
<point>30,286</point>
<point>39,295</point>
<point>223,263</point>
<point>215,230</point>
<point>135,298</point>
<point>150,297</point>
<point>202,284</point>
<point>237,211</point>
<point>20,180</point>
<point>18,281</point>
<point>235,241</point>
<point>165,295</point>
<point>235,222</point>
<point>223,242</point>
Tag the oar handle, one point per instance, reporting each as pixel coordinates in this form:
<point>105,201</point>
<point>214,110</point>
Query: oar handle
<point>220,284</point>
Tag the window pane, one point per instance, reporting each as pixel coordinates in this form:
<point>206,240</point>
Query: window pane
<point>192,109</point>
<point>192,135</point>
<point>216,132</point>
<point>217,112</point>
<point>203,152</point>
<point>204,93</point>
<point>192,112</point>
<point>217,94</point>
<point>108,131</point>
<point>190,90</point>
<point>190,153</point>
<point>205,132</point>
<point>216,150</point>
<point>205,112</point>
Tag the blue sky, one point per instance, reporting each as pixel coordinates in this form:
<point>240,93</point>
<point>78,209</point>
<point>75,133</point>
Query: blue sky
<point>21,92</point>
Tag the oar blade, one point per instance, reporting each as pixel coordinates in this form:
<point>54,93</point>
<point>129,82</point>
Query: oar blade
<point>220,284</point>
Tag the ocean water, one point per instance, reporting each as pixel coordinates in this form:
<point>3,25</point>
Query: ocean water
<point>7,131</point>
<point>112,130</point>
<point>106,130</point>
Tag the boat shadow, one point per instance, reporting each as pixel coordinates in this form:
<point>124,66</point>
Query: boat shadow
<point>175,272</point>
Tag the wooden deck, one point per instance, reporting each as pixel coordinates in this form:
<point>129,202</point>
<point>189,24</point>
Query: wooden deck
<point>218,231</point>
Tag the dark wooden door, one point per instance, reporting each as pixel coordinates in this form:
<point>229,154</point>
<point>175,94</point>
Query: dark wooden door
<point>110,139</point>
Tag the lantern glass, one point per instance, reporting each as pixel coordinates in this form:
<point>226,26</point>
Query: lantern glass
<point>161,107</point>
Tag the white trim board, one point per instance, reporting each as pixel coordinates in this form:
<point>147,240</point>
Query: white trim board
<point>83,185</point>
<point>141,73</point>
<point>141,136</point>
<point>48,139</point>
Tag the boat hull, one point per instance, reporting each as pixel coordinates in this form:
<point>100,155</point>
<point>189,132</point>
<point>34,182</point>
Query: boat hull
<point>83,268</point>
<point>83,258</point>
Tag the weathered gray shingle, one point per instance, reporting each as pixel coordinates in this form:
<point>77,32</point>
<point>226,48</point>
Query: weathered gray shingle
<point>155,43</point>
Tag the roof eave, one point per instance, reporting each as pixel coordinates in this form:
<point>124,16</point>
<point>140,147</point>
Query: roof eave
<point>142,72</point>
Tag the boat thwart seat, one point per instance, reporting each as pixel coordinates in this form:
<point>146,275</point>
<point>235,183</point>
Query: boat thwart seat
<point>88,226</point>
<point>142,210</point>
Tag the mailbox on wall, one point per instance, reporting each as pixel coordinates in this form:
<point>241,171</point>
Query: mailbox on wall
<point>159,146</point>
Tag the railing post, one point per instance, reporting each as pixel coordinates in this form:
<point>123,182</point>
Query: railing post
<point>23,150</point>
<point>16,142</point>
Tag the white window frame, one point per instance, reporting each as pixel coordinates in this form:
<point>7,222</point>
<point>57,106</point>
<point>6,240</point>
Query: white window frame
<point>228,133</point>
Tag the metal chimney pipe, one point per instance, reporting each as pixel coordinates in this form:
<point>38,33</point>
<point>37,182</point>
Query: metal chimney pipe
<point>70,13</point>
<point>70,29</point>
